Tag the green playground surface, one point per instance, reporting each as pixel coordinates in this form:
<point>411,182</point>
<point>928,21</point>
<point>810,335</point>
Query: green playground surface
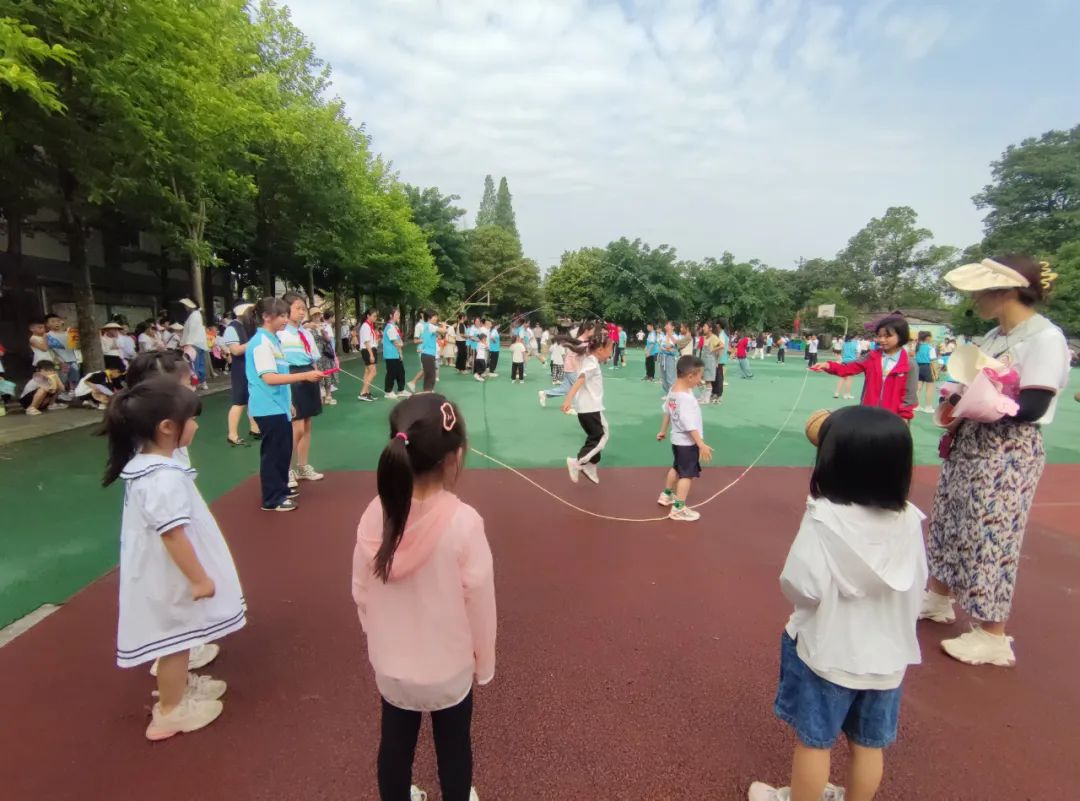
<point>60,528</point>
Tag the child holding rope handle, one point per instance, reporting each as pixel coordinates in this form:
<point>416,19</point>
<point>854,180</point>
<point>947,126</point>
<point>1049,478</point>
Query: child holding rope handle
<point>854,574</point>
<point>424,587</point>
<point>588,392</point>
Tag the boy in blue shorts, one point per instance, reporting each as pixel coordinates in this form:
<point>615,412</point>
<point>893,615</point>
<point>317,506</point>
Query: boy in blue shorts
<point>682,414</point>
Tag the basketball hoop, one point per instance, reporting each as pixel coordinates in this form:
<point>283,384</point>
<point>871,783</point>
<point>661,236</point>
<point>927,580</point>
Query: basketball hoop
<point>486,301</point>
<point>826,311</point>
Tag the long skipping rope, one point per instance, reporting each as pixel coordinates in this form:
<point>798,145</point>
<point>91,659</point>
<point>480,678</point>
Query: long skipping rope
<point>614,518</point>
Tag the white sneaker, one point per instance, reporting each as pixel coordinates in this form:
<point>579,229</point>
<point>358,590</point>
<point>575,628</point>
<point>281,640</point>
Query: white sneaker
<point>543,398</point>
<point>478,377</point>
<point>390,394</point>
<point>472,794</point>
<point>202,688</point>
<point>32,412</point>
<point>938,608</point>
<point>191,714</point>
<point>404,394</point>
<point>766,792</point>
<point>590,473</point>
<point>493,375</point>
<point>293,483</point>
<point>416,794</point>
<point>686,514</point>
<point>198,657</point>
<point>573,468</point>
<point>307,473</point>
<point>666,499</point>
<point>977,647</point>
<point>412,386</point>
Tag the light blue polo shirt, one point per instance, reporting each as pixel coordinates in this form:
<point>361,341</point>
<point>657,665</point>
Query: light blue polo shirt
<point>292,345</point>
<point>622,339</point>
<point>850,351</point>
<point>725,341</point>
<point>391,333</point>
<point>429,344</point>
<point>471,332</point>
<point>265,356</point>
<point>652,345</point>
<point>493,340</point>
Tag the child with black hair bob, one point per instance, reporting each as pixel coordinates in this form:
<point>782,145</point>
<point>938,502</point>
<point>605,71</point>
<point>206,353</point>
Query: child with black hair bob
<point>423,582</point>
<point>854,574</point>
<point>178,584</point>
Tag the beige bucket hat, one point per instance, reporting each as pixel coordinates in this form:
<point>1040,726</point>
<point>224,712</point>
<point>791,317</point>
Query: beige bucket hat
<point>986,274</point>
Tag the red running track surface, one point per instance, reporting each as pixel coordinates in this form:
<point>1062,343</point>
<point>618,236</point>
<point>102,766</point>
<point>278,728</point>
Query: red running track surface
<point>636,661</point>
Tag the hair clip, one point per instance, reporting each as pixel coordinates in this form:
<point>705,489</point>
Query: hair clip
<point>1048,276</point>
<point>403,437</point>
<point>449,416</point>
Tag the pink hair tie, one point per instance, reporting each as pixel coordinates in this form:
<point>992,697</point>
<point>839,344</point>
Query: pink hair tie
<point>403,437</point>
<point>449,418</point>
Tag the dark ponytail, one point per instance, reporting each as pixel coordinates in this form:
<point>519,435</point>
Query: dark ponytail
<point>156,363</point>
<point>424,430</point>
<point>133,416</point>
<point>270,307</point>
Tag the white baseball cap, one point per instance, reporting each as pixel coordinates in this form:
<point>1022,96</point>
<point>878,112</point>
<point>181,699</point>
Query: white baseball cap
<point>240,308</point>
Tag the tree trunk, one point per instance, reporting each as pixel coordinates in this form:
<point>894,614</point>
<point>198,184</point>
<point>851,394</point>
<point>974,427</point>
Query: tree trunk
<point>356,300</point>
<point>89,336</point>
<point>230,295</point>
<point>197,284</point>
<point>311,284</point>
<point>339,311</point>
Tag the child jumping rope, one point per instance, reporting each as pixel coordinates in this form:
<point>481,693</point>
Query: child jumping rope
<point>855,574</point>
<point>588,392</point>
<point>424,587</point>
<point>891,381</point>
<point>178,583</point>
<point>682,414</point>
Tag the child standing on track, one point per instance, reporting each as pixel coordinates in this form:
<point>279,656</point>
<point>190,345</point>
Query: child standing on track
<point>178,583</point>
<point>588,391</point>
<point>480,357</point>
<point>849,352</point>
<point>517,361</point>
<point>854,574</point>
<point>682,414</point>
<point>423,582</point>
<point>891,381</point>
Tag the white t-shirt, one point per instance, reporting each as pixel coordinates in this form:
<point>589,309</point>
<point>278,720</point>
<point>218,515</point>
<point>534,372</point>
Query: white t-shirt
<point>367,335</point>
<point>590,398</point>
<point>557,351</point>
<point>812,346</point>
<point>1038,350</point>
<point>685,413</point>
<point>517,353</point>
<point>481,349</point>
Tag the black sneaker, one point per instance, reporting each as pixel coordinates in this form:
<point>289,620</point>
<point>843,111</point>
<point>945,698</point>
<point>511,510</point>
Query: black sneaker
<point>366,398</point>
<point>255,434</point>
<point>294,493</point>
<point>284,506</point>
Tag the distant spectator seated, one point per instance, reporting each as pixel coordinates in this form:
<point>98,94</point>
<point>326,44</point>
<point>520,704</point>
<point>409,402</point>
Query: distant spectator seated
<point>40,392</point>
<point>110,347</point>
<point>39,344</point>
<point>95,389</point>
<point>172,336</point>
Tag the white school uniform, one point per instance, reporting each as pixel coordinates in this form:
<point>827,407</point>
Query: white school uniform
<point>157,614</point>
<point>590,398</point>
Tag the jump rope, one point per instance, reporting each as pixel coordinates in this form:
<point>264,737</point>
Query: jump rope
<point>614,518</point>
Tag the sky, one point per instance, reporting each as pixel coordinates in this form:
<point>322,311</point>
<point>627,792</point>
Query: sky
<point>773,129</point>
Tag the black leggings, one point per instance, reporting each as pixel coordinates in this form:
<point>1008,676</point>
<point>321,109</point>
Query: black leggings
<point>462,355</point>
<point>453,749</point>
<point>650,367</point>
<point>493,361</point>
<point>517,370</point>
<point>718,382</point>
<point>428,363</point>
<point>395,373</point>
<point>780,354</point>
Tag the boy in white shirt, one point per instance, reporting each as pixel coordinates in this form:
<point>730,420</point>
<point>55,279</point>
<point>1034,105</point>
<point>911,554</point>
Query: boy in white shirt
<point>517,359</point>
<point>557,352</point>
<point>682,414</point>
<point>480,359</point>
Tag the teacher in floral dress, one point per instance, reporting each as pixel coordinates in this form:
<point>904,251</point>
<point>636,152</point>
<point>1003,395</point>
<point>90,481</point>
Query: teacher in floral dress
<point>989,477</point>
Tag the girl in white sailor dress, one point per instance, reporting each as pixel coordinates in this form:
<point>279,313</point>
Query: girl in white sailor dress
<point>178,583</point>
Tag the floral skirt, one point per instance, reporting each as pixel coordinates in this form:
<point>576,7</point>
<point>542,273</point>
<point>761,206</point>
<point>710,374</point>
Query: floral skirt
<point>981,508</point>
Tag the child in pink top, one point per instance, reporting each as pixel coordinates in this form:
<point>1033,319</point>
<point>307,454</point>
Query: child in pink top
<point>424,586</point>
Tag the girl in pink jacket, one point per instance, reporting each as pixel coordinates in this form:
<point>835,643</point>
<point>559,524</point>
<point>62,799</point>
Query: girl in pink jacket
<point>424,586</point>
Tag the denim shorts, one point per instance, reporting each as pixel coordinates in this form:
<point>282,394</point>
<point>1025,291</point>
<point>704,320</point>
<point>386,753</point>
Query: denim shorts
<point>819,710</point>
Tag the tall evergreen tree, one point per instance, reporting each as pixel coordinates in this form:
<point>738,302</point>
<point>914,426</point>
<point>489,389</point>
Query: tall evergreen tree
<point>486,213</point>
<point>504,210</point>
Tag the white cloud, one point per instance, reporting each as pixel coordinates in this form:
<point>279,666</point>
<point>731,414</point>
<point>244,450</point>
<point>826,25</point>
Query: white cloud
<point>765,127</point>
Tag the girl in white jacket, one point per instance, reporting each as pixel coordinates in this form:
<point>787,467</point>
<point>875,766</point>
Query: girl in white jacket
<point>854,575</point>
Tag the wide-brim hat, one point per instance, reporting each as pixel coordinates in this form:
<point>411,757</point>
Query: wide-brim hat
<point>117,326</point>
<point>242,307</point>
<point>967,361</point>
<point>188,303</point>
<point>176,327</point>
<point>986,274</point>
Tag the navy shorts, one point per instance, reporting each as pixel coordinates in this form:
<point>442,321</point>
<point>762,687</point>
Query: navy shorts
<point>926,375</point>
<point>687,462</point>
<point>819,710</point>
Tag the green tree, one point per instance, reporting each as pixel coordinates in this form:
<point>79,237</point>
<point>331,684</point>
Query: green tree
<point>499,268</point>
<point>440,220</point>
<point>504,209</point>
<point>573,288</point>
<point>640,284</point>
<point>20,54</point>
<point>1034,199</point>
<point>1063,306</point>
<point>891,255</point>
<point>485,215</point>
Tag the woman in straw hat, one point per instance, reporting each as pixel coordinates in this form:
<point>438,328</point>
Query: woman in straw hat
<point>992,469</point>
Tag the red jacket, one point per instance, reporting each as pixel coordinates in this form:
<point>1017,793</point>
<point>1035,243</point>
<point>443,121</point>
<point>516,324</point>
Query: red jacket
<point>899,393</point>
